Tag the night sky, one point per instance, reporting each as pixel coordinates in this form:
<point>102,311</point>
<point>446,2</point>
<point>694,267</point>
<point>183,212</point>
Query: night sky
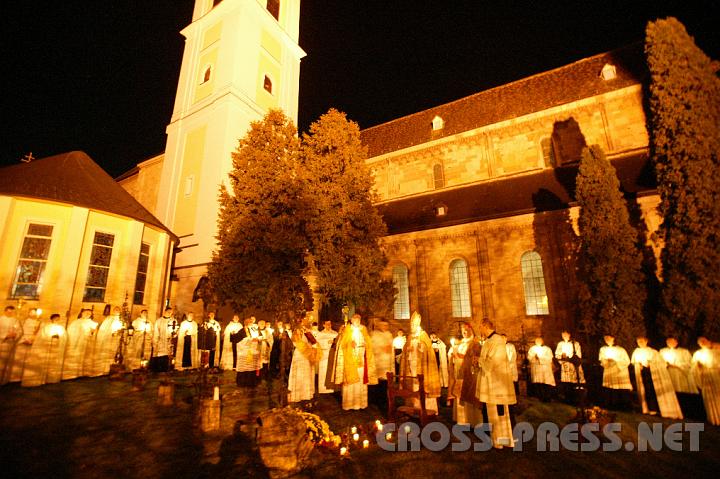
<point>101,75</point>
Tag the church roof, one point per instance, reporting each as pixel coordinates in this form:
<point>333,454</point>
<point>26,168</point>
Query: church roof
<point>76,179</point>
<point>532,94</point>
<point>546,190</point>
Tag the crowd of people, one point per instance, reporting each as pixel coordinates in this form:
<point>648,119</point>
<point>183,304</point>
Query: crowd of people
<point>478,371</point>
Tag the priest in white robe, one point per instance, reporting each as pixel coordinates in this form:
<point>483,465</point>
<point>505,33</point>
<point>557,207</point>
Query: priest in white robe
<point>45,361</point>
<point>358,366</point>
<point>301,386</point>
<point>654,386</point>
<point>10,333</point>
<point>30,329</point>
<point>679,362</point>
<point>382,345</point>
<point>440,350</point>
<point>325,339</point>
<point>231,338</point>
<point>187,350</point>
<point>494,386</point>
<point>80,346</point>
<point>163,341</point>
<point>140,345</point>
<point>616,377</point>
<point>540,358</point>
<point>107,343</point>
<point>706,373</point>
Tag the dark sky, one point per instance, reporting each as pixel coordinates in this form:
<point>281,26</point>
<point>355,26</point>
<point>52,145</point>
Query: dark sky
<point>100,75</point>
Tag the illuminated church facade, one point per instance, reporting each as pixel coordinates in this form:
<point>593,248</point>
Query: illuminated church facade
<point>477,193</point>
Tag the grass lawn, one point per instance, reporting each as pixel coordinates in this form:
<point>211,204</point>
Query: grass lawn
<point>90,428</point>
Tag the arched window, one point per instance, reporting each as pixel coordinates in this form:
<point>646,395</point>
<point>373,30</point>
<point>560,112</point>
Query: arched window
<point>438,176</point>
<point>460,289</point>
<point>536,300</point>
<point>206,75</point>
<point>267,84</point>
<point>402,300</point>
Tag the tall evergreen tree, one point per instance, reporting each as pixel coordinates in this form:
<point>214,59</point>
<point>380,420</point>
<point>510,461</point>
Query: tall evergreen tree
<point>685,143</point>
<point>260,259</point>
<point>344,228</point>
<point>610,276</point>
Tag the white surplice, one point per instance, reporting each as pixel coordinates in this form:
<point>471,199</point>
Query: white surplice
<point>140,345</point>
<point>10,333</point>
<point>226,359</point>
<point>301,384</point>
<point>667,400</point>
<point>615,362</point>
<point>45,361</point>
<point>325,339</point>
<point>541,360</point>
<point>706,372</point>
<point>106,345</point>
<point>30,329</point>
<point>79,348</point>
<point>679,362</point>
<point>188,332</point>
<point>570,349</point>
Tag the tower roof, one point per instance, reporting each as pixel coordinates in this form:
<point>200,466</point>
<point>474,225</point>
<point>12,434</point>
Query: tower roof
<point>74,178</point>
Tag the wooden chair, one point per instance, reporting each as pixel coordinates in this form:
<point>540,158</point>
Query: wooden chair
<point>397,390</point>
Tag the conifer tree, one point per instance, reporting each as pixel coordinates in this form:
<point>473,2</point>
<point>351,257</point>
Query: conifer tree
<point>685,143</point>
<point>344,228</point>
<point>611,286</point>
<point>260,258</point>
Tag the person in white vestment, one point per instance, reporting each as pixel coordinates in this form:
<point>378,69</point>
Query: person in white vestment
<point>306,354</point>
<point>45,361</point>
<point>440,350</point>
<point>654,386</point>
<point>358,365</point>
<point>249,359</point>
<point>706,373</point>
<point>494,385</point>
<point>382,344</point>
<point>616,377</point>
<point>187,350</point>
<point>325,340</point>
<point>140,344</point>
<point>569,355</point>
<point>107,342</point>
<point>30,329</point>
<point>231,338</point>
<point>10,332</point>
<point>679,362</point>
<point>265,334</point>
<point>163,341</point>
<point>540,358</point>
<point>80,346</point>
<point>463,357</point>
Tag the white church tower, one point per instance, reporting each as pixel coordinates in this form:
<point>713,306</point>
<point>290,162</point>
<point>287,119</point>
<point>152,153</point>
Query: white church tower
<point>241,58</point>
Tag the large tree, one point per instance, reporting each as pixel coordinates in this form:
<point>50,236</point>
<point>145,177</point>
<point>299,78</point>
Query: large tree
<point>610,276</point>
<point>685,142</point>
<point>344,228</point>
<point>260,258</point>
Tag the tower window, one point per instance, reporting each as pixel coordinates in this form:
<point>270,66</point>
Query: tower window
<point>438,176</point>
<point>273,6</point>
<point>207,74</point>
<point>608,72</point>
<point>31,264</point>
<point>267,84</point>
<point>459,289</point>
<point>438,123</point>
<point>548,151</point>
<point>401,308</point>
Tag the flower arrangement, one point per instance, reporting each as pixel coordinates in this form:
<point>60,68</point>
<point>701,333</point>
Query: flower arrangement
<point>318,430</point>
<point>594,414</point>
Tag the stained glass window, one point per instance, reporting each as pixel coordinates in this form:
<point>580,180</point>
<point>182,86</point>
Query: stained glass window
<point>33,258</point>
<point>536,300</point>
<point>99,268</point>
<point>141,276</point>
<point>459,289</point>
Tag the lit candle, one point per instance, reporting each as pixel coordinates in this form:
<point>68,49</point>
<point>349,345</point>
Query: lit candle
<point>343,451</point>
<point>366,444</point>
<point>117,325</point>
<point>388,436</point>
<point>56,330</point>
<point>378,425</point>
<point>407,429</point>
<point>353,430</point>
<point>216,394</point>
<point>356,436</point>
<point>38,312</point>
<point>669,356</point>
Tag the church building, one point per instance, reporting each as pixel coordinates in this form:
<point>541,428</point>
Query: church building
<point>477,194</point>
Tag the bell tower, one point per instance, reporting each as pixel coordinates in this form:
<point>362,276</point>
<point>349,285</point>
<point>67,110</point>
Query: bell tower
<point>241,58</point>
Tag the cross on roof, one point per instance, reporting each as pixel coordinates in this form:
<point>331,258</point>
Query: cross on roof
<point>27,158</point>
